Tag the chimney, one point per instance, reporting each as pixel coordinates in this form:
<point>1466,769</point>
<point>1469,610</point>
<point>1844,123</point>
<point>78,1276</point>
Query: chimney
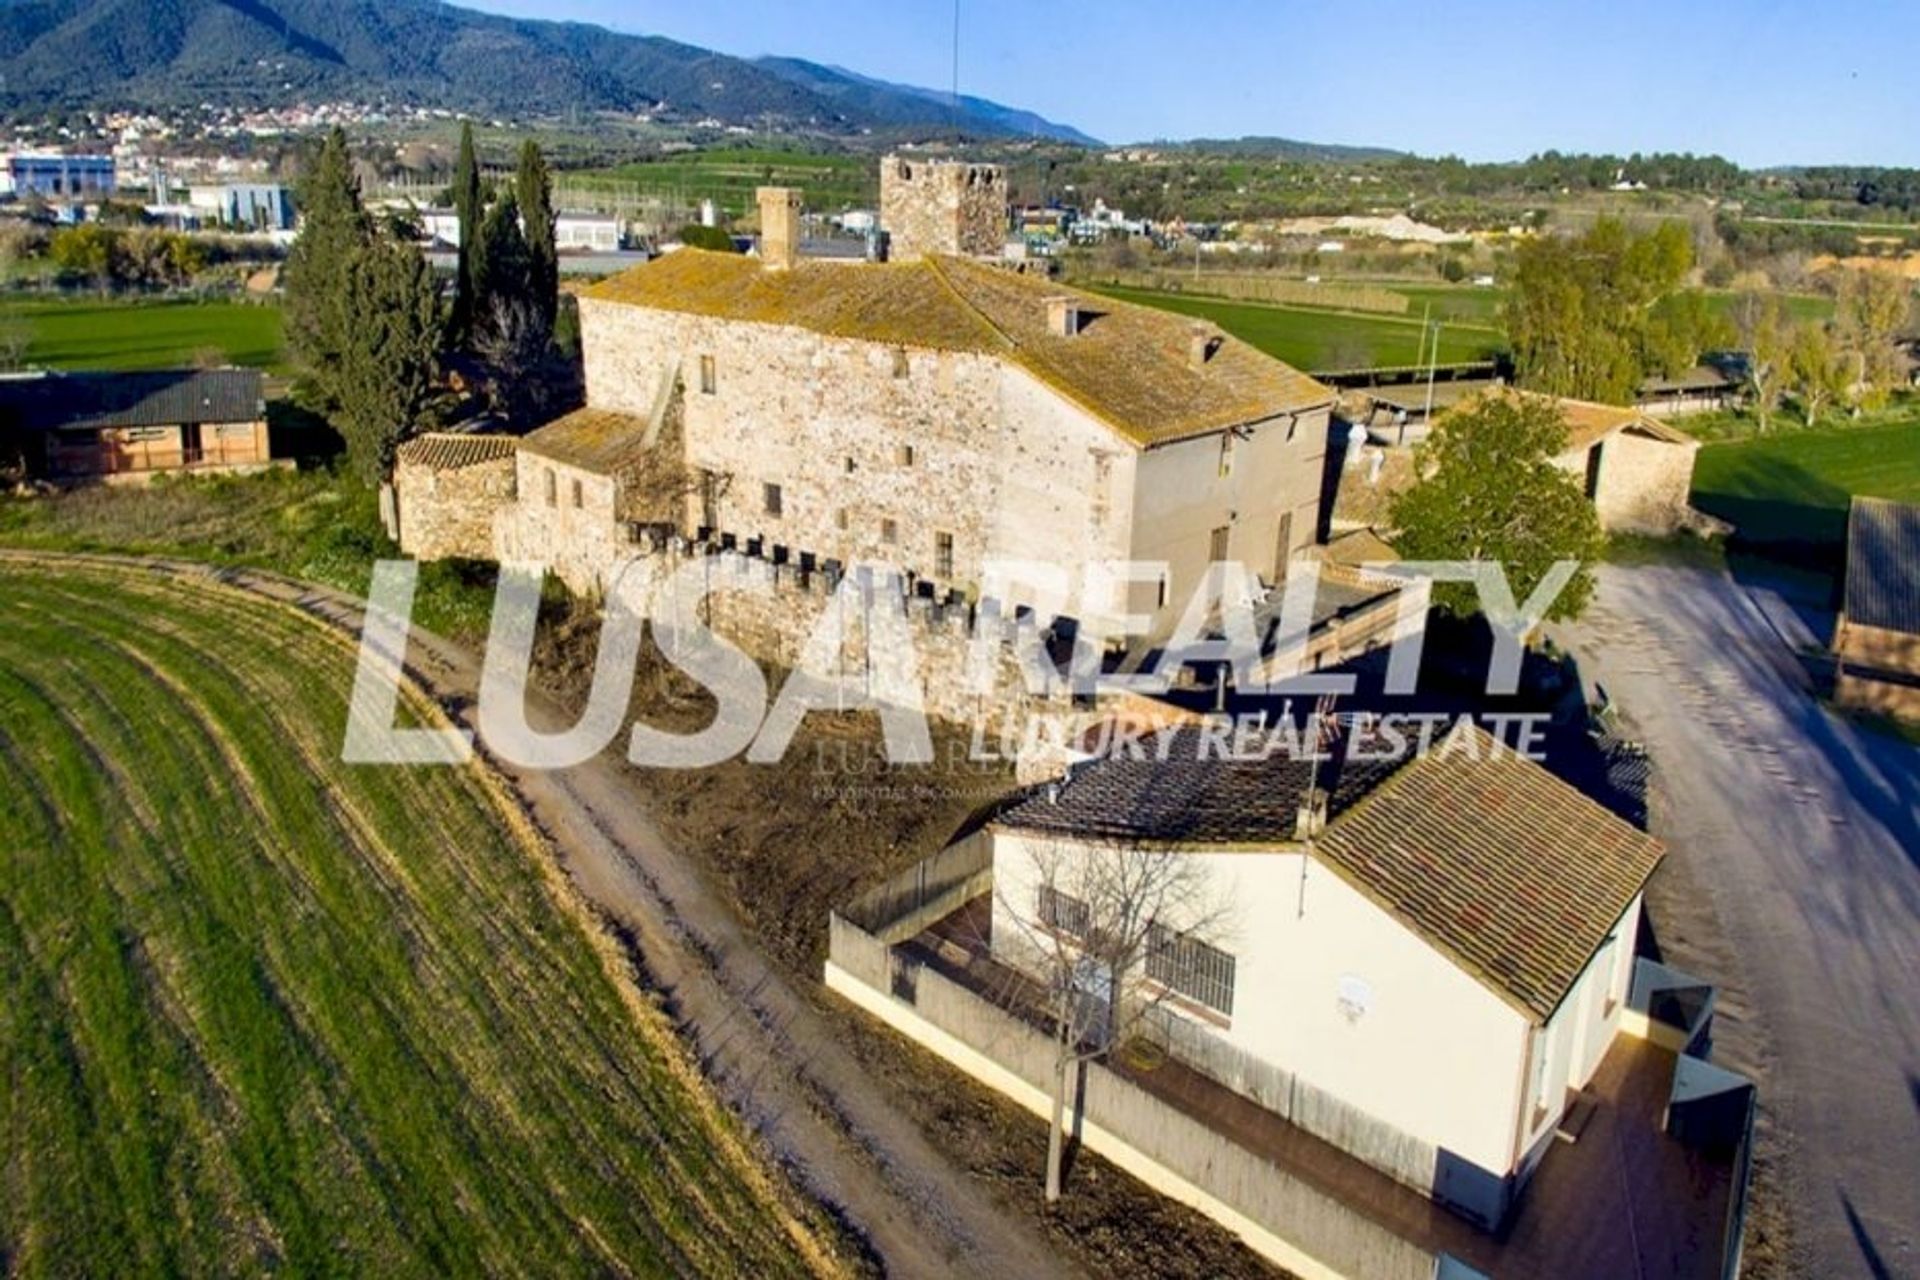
<point>1063,316</point>
<point>779,227</point>
<point>1199,346</point>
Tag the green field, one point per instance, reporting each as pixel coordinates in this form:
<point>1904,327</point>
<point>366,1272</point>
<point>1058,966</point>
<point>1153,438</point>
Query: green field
<point>831,182</point>
<point>142,333</point>
<point>263,1012</point>
<point>1791,489</point>
<point>1316,339</point>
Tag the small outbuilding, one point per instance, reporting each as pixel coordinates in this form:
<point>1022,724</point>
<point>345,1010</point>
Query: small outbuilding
<point>1877,639</point>
<point>119,427</point>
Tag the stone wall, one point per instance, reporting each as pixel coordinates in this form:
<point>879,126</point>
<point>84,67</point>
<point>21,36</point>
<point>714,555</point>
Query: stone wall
<point>945,207</point>
<point>567,519</point>
<point>1644,483</point>
<point>450,513</point>
<point>1877,647</point>
<point>877,452</point>
<point>964,662</point>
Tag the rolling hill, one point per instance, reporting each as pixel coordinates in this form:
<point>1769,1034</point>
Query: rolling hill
<point>106,53</point>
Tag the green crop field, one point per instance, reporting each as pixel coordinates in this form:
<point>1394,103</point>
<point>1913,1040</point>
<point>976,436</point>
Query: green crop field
<point>92,333</point>
<point>729,178</point>
<point>1793,487</point>
<point>262,1012</point>
<point>1316,339</point>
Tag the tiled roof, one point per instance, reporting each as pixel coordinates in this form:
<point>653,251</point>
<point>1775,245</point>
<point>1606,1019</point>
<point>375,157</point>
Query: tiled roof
<point>1129,365</point>
<point>1883,565</point>
<point>450,450</point>
<point>1510,871</point>
<point>597,440</point>
<point>1588,421</point>
<point>86,401</point>
<point>1513,874</point>
<point>1175,796</point>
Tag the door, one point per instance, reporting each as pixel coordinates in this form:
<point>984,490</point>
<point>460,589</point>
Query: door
<point>1283,548</point>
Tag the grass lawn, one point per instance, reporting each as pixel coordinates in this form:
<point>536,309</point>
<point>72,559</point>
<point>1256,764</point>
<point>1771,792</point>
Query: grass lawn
<point>729,178</point>
<point>267,1012</point>
<point>1791,489</point>
<point>1316,339</point>
<point>145,333</point>
<point>312,525</point>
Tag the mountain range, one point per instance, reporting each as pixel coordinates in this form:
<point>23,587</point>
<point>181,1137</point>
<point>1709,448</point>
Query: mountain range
<point>171,53</point>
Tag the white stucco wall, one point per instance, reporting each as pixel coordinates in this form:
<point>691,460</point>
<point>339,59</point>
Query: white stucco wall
<point>1437,1055</point>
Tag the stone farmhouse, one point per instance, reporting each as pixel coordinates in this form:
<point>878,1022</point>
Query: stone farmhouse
<point>925,415</point>
<point>1637,470</point>
<point>1876,642</point>
<point>121,428</point>
<point>1425,991</point>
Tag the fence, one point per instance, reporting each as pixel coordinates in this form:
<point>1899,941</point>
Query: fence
<point>1275,1209</point>
<point>1278,290</point>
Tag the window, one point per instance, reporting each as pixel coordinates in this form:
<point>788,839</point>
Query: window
<point>709,378</point>
<point>553,488</point>
<point>889,531</point>
<point>1160,600</point>
<point>1191,968</point>
<point>849,466</point>
<point>1217,545</point>
<point>840,520</point>
<point>1064,913</point>
<point>901,365</point>
<point>943,555</point>
<point>1226,454</point>
<point>903,454</point>
<point>771,498</point>
<point>579,495</point>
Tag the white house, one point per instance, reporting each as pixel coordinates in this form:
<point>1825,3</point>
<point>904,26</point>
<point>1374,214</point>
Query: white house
<point>1441,973</point>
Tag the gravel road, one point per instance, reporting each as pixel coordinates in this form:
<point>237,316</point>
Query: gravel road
<point>1803,830</point>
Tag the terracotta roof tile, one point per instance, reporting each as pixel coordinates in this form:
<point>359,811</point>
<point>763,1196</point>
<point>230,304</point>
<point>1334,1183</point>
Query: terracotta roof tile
<point>598,440</point>
<point>1512,873</point>
<point>452,450</point>
<point>1129,365</point>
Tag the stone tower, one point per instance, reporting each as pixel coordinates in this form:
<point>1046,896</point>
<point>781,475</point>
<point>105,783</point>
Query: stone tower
<point>942,207</point>
<point>779,227</point>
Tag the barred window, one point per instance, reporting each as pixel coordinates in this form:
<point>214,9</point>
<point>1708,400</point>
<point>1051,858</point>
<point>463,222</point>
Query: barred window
<point>1064,912</point>
<point>943,555</point>
<point>1190,968</point>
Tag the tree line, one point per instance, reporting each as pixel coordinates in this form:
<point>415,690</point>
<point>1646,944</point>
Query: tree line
<point>1595,316</point>
<point>373,328</point>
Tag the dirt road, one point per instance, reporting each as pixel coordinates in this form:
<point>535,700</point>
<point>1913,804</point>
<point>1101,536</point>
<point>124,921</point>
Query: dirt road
<point>1803,830</point>
<point>764,1046</point>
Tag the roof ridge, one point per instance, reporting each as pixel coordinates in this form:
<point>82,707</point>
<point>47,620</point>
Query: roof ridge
<point>933,263</point>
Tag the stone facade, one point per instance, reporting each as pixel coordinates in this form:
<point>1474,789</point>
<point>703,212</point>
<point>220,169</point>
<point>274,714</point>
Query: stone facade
<point>448,491</point>
<point>935,462</point>
<point>1639,483</point>
<point>942,207</point>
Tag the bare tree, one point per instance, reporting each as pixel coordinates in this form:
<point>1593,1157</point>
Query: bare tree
<point>1112,929</point>
<point>1765,333</point>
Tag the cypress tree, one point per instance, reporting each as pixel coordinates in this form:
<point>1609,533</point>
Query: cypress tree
<point>388,371</point>
<point>534,186</point>
<point>468,203</point>
<point>502,265</point>
<point>334,231</point>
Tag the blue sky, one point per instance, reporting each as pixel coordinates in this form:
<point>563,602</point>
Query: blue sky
<point>1760,81</point>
